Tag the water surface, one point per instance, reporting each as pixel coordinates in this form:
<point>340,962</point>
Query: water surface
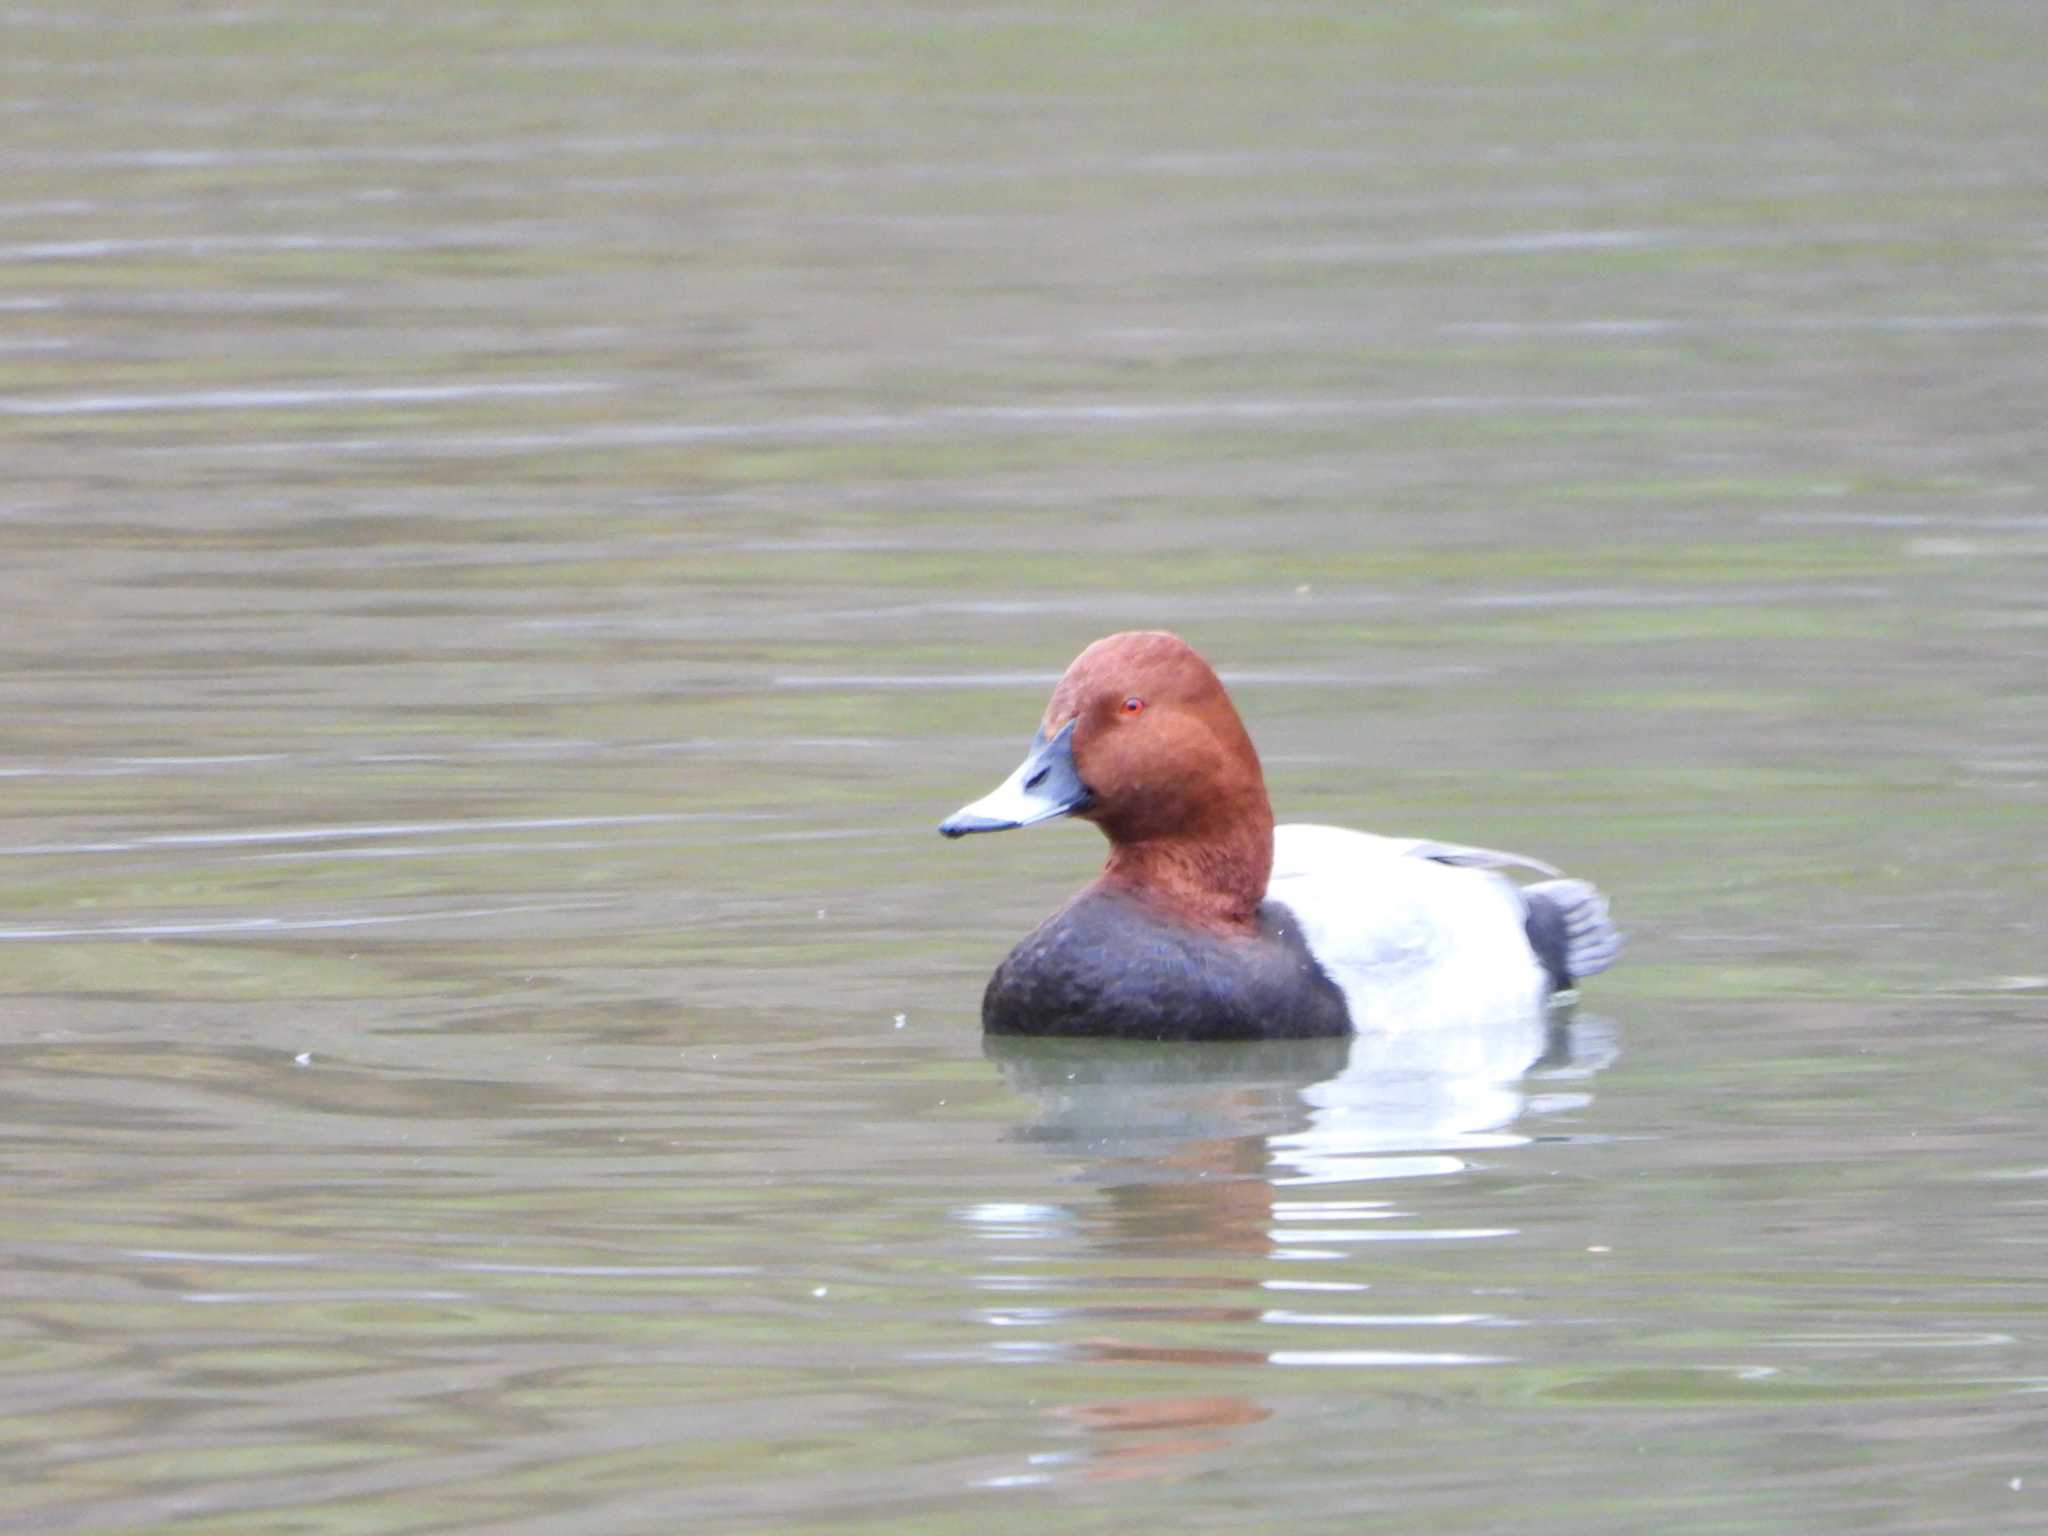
<point>519,520</point>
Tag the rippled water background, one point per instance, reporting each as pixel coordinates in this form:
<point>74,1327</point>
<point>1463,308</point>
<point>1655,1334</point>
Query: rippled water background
<point>518,519</point>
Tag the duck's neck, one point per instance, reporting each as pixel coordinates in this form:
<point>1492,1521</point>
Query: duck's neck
<point>1215,879</point>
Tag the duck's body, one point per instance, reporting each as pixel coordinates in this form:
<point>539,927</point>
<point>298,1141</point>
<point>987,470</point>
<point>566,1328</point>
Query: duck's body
<point>1111,964</point>
<point>1210,923</point>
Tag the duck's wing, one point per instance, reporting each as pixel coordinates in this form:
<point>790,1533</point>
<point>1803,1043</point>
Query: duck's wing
<point>1299,844</point>
<point>1475,858</point>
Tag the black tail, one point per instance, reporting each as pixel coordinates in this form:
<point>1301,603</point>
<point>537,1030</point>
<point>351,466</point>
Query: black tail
<point>1569,930</point>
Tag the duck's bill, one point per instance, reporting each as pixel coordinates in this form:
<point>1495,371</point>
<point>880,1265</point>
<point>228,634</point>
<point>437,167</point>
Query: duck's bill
<point>1045,785</point>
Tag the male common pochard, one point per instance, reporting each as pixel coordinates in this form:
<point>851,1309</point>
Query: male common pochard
<point>1210,923</point>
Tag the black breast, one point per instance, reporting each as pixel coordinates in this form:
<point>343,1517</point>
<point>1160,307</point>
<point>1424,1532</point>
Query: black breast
<point>1108,965</point>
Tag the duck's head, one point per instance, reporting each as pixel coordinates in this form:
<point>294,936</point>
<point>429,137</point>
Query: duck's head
<point>1141,739</point>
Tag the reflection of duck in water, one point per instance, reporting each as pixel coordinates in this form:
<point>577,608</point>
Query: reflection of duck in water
<point>1179,1134</point>
<point>1238,1152</point>
<point>1208,923</point>
<point>1280,1112</point>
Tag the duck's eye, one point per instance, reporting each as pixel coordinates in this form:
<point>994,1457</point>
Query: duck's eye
<point>1134,706</point>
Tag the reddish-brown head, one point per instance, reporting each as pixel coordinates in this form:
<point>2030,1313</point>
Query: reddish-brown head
<point>1172,775</point>
<point>1141,739</point>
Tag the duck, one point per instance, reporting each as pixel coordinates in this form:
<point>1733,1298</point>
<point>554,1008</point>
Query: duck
<point>1210,922</point>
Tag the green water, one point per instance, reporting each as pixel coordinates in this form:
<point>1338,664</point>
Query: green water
<point>518,520</point>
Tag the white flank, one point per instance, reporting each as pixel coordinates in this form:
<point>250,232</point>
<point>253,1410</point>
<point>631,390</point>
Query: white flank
<point>1409,940</point>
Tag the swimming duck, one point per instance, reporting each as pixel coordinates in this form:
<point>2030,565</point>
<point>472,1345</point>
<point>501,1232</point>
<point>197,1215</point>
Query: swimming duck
<point>1208,922</point>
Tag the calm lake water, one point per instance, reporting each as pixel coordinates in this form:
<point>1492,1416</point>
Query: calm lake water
<point>519,519</point>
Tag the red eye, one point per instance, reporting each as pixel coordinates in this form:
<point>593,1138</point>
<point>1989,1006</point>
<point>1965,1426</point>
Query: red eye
<point>1134,706</point>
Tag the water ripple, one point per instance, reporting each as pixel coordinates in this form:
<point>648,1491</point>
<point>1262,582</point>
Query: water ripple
<point>293,399</point>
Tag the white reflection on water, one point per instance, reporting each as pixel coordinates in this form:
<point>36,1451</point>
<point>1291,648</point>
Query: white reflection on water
<point>287,399</point>
<point>993,420</point>
<point>1289,1113</point>
<point>1260,1158</point>
<point>265,835</point>
<point>1278,1154</point>
<point>272,925</point>
<point>1378,1357</point>
<point>1405,1104</point>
